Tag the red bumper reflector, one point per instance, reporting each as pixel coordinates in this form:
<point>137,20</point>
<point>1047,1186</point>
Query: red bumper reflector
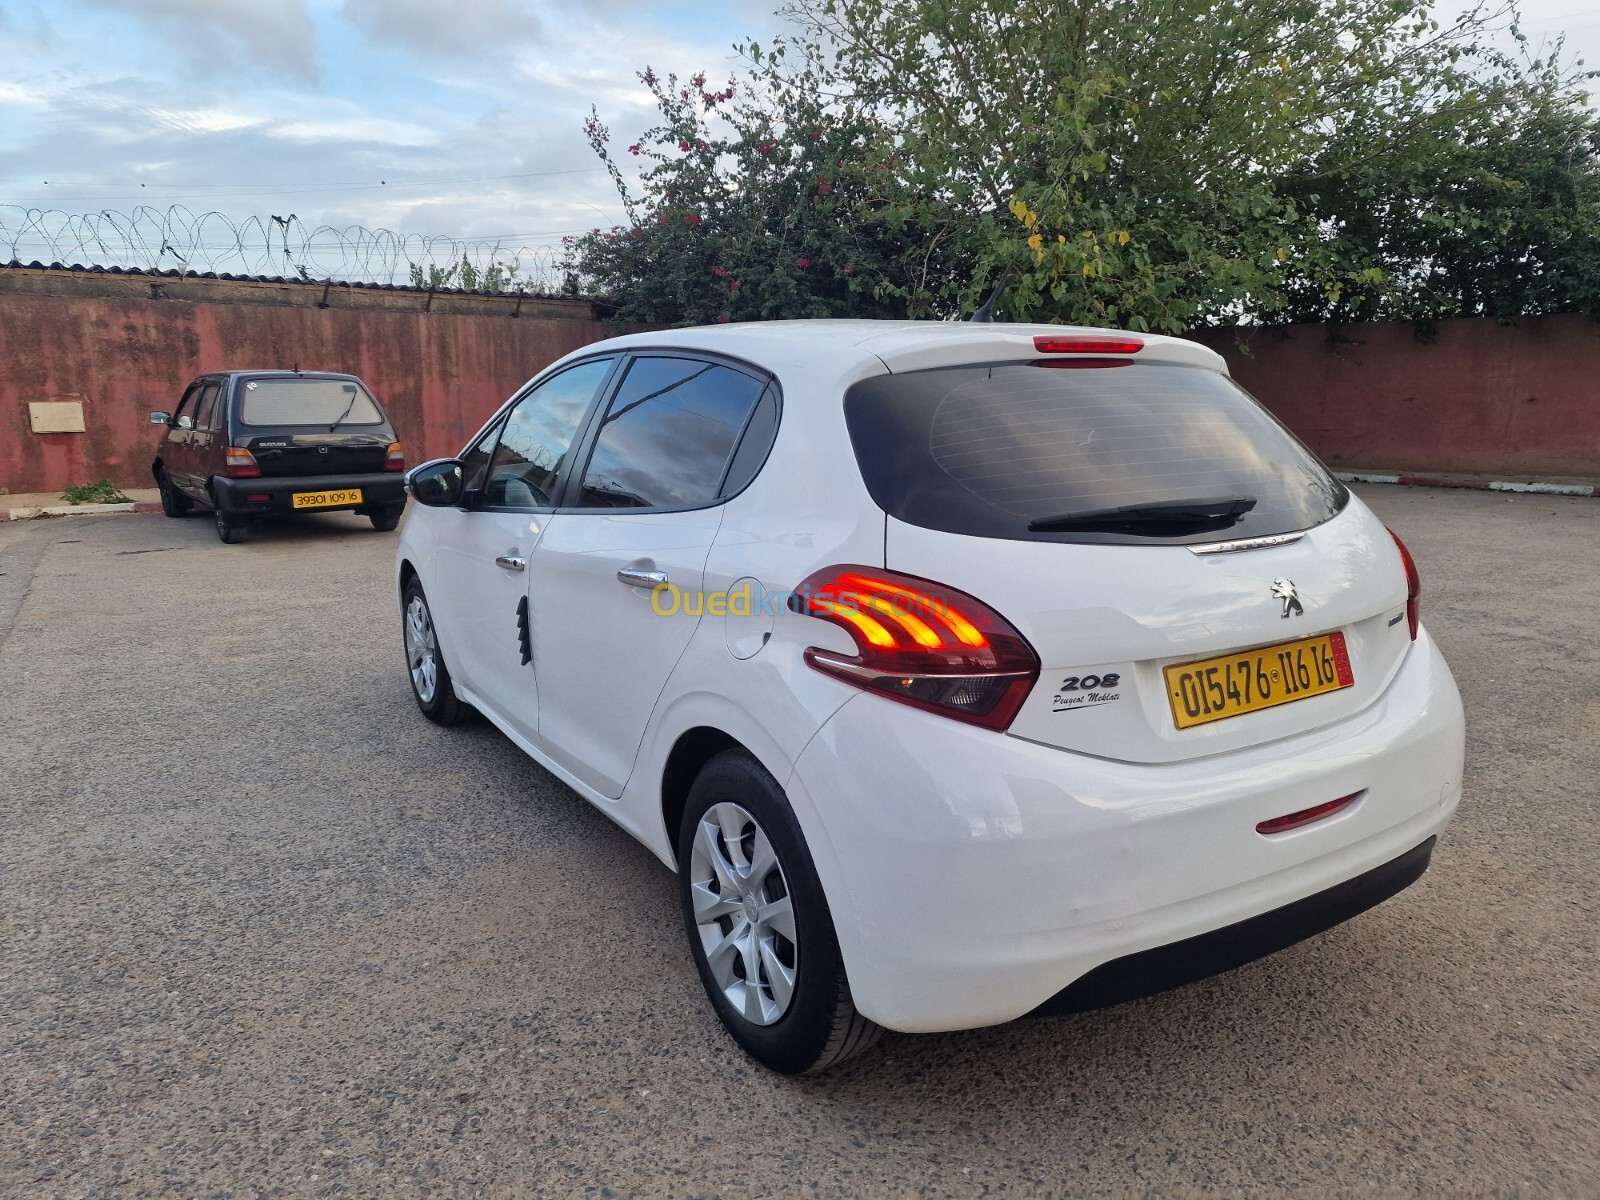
<point>258,497</point>
<point>1307,815</point>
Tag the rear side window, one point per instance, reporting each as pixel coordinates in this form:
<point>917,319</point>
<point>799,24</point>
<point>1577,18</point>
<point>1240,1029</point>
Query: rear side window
<point>668,434</point>
<point>293,401</point>
<point>987,450</point>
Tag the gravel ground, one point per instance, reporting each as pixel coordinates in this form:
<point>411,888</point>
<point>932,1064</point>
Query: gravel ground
<point>267,932</point>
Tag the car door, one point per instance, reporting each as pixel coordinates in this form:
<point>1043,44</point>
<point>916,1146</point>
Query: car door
<point>175,449</point>
<point>642,514</point>
<point>479,586</point>
<point>206,438</point>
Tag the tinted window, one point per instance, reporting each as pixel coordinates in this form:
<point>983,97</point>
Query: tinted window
<point>292,401</point>
<point>668,434</point>
<point>538,435</point>
<point>986,450</point>
<point>183,415</point>
<point>208,401</point>
<point>754,445</point>
<point>475,459</point>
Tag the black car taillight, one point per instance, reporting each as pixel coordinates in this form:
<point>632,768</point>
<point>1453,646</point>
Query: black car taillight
<point>921,643</point>
<point>239,463</point>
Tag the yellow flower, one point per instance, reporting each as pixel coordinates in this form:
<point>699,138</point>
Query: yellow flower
<point>1123,237</point>
<point>1036,244</point>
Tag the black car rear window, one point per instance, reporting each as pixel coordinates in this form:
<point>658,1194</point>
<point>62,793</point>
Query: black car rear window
<point>289,401</point>
<point>986,450</point>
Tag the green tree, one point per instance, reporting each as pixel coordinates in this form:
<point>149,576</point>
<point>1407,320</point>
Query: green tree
<point>1155,164</point>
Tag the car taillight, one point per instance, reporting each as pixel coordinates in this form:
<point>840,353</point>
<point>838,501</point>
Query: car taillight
<point>1078,344</point>
<point>921,643</point>
<point>1413,582</point>
<point>239,463</point>
<point>395,460</point>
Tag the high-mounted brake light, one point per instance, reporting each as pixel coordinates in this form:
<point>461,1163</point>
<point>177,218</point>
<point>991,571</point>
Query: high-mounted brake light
<point>395,460</point>
<point>1413,583</point>
<point>239,463</point>
<point>921,643</point>
<point>1050,344</point>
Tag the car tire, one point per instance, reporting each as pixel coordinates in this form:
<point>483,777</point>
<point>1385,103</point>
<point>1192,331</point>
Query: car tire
<point>173,502</point>
<point>435,694</point>
<point>384,520</point>
<point>753,906</point>
<point>229,531</point>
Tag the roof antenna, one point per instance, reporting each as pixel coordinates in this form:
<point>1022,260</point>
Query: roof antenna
<point>985,314</point>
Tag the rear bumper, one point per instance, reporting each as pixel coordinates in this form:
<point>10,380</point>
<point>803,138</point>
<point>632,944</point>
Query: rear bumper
<point>973,877</point>
<point>1199,957</point>
<point>379,489</point>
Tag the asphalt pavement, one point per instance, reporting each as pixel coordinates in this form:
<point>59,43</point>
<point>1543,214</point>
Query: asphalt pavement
<point>264,931</point>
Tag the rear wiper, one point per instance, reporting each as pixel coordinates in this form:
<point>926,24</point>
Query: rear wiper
<point>1203,510</point>
<point>355,394</point>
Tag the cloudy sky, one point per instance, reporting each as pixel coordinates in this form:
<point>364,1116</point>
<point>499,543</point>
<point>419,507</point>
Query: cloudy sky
<point>454,117</point>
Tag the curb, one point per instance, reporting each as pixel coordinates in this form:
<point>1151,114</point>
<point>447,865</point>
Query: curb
<point>79,510</point>
<point>1483,485</point>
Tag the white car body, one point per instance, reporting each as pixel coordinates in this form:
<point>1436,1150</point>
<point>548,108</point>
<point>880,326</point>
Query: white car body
<point>972,875</point>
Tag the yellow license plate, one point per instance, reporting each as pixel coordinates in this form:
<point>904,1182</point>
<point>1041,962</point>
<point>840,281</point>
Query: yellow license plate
<point>1214,689</point>
<point>326,499</point>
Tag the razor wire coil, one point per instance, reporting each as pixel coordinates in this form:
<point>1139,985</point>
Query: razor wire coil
<point>178,239</point>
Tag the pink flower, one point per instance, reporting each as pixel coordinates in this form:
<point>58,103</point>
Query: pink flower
<point>649,77</point>
<point>724,319</point>
<point>693,218</point>
<point>802,263</point>
<point>734,286</point>
<point>634,149</point>
<point>765,148</point>
<point>816,137</point>
<point>720,272</point>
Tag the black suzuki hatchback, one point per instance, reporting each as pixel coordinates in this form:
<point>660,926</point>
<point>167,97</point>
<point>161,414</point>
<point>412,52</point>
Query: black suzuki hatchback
<point>248,444</point>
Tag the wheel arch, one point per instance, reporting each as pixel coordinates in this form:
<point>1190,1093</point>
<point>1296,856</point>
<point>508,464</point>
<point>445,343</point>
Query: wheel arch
<point>694,748</point>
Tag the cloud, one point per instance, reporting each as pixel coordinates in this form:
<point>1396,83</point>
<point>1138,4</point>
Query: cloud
<point>458,29</point>
<point>217,36</point>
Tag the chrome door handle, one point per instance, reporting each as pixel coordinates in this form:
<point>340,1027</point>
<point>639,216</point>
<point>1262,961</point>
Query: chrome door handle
<point>511,562</point>
<point>644,579</point>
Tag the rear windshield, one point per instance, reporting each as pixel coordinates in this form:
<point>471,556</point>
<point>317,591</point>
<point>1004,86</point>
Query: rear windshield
<point>289,401</point>
<point>987,450</point>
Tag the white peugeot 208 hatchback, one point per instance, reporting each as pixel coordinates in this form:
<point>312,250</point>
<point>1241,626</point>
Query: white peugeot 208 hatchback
<point>960,671</point>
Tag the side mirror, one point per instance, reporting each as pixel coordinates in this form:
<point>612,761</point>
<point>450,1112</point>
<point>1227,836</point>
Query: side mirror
<point>159,418</point>
<point>438,484</point>
<point>185,422</point>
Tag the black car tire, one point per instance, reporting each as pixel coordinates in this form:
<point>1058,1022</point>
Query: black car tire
<point>173,502</point>
<point>441,705</point>
<point>229,530</point>
<point>818,1026</point>
<point>385,519</point>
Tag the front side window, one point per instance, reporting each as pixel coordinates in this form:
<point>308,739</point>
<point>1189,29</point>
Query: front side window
<point>475,459</point>
<point>668,434</point>
<point>538,435</point>
<point>290,400</point>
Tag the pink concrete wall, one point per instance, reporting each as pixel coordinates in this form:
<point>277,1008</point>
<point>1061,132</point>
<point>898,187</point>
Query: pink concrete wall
<point>1479,397</point>
<point>439,374</point>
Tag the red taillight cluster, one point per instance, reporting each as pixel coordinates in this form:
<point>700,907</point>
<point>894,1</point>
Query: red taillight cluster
<point>1413,582</point>
<point>395,460</point>
<point>239,463</point>
<point>1079,344</point>
<point>921,643</point>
